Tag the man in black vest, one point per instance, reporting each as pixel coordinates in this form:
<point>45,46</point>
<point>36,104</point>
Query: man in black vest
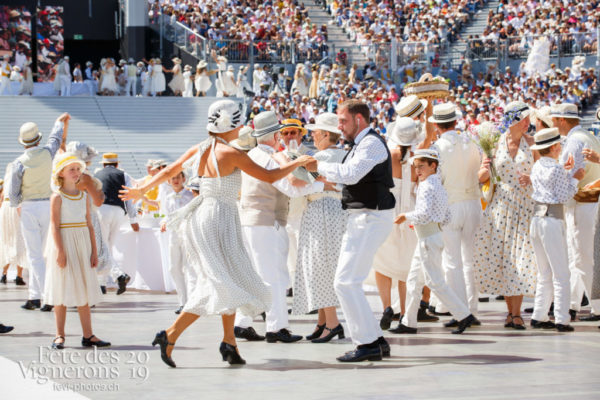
<point>112,211</point>
<point>366,174</point>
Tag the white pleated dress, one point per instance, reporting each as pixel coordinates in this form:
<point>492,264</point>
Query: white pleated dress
<point>77,284</point>
<point>212,238</point>
<point>177,84</point>
<point>12,244</point>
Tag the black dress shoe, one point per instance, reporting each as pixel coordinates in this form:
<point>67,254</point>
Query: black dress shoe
<point>87,342</point>
<point>516,326</point>
<point>338,330</point>
<point>451,324</point>
<point>573,315</point>
<point>247,333</point>
<point>500,298</point>
<point>431,309</point>
<point>542,324</point>
<point>161,339</point>
<point>289,293</point>
<point>385,346</point>
<point>46,308</point>
<point>484,299</point>
<point>283,335</point>
<point>317,332</point>
<point>230,354</point>
<point>362,353</point>
<point>58,345</point>
<point>5,329</point>
<point>19,281</point>
<point>31,305</point>
<point>423,316</point>
<point>564,328</point>
<point>313,312</point>
<point>386,318</point>
<point>103,289</point>
<point>122,281</point>
<point>179,310</point>
<point>590,318</point>
<point>585,301</point>
<point>3,279</point>
<point>401,328</point>
<point>464,324</point>
<point>528,310</point>
<point>396,317</point>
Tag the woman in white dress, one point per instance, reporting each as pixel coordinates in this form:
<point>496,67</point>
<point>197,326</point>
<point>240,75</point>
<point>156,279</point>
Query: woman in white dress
<point>212,233</point>
<point>320,240</point>
<point>12,244</point>
<point>392,260</point>
<point>177,84</point>
<point>27,87</point>
<point>300,81</point>
<point>109,81</point>
<point>146,77</point>
<point>202,81</point>
<point>159,83</point>
<point>242,81</point>
<point>188,85</point>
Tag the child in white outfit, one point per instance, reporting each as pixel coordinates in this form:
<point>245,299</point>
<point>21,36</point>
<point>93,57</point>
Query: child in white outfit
<point>553,184</point>
<point>431,211</point>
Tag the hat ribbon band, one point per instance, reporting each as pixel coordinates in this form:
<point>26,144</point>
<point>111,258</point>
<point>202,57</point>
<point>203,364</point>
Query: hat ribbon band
<point>445,117</point>
<point>415,110</point>
<point>32,140</point>
<point>547,140</point>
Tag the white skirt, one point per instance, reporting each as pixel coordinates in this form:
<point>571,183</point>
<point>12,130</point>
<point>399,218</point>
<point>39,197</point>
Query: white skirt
<point>12,244</point>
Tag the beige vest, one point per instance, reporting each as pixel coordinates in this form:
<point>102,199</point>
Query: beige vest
<point>592,170</point>
<point>460,161</point>
<point>38,171</point>
<point>261,203</point>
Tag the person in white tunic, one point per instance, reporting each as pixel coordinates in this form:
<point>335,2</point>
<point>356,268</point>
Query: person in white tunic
<point>16,76</point>
<point>553,185</point>
<point>5,75</point>
<point>322,227</point>
<point>178,266</point>
<point>158,78</point>
<point>202,80</point>
<point>228,82</point>
<point>177,84</point>
<point>431,211</point>
<point>109,81</point>
<point>300,81</point>
<point>210,228</point>
<point>188,84</point>
<point>27,87</point>
<point>71,253</point>
<point>146,77</point>
<point>263,213</point>
<point>12,244</point>
<point>30,190</point>
<point>64,73</point>
<point>392,260</point>
<point>579,214</point>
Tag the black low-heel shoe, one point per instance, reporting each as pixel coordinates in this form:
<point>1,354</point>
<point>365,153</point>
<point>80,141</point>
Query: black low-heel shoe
<point>87,342</point>
<point>230,354</point>
<point>317,333</point>
<point>58,346</point>
<point>338,330</point>
<point>161,339</point>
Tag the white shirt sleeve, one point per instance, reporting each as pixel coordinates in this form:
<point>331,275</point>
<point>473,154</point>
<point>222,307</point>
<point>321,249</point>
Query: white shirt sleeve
<point>129,207</point>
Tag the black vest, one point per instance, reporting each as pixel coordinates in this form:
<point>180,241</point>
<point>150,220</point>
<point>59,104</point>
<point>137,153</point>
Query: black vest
<point>373,190</point>
<point>112,181</point>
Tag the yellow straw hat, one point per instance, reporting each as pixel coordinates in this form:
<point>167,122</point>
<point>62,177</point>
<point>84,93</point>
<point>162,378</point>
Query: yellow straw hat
<point>109,158</point>
<point>63,160</point>
<point>293,124</point>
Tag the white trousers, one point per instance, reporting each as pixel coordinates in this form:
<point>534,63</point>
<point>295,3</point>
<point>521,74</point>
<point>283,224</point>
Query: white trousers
<point>65,85</point>
<point>550,246</point>
<point>459,252</point>
<point>35,221</point>
<point>183,276</point>
<point>111,218</point>
<point>4,86</point>
<point>293,232</point>
<point>426,269</point>
<point>268,248</point>
<point>580,221</point>
<point>366,231</point>
<point>131,86</point>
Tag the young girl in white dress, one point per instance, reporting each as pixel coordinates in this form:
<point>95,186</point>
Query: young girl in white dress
<point>71,255</point>
<point>188,85</point>
<point>202,81</point>
<point>109,80</point>
<point>159,83</point>
<point>177,84</point>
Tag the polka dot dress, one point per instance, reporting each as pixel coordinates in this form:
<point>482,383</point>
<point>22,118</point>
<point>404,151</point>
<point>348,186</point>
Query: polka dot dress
<point>504,259</point>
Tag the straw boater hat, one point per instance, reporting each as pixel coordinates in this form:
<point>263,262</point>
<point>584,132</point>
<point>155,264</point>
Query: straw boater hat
<point>546,138</point>
<point>326,122</point>
<point>63,160</point>
<point>266,122</point>
<point>245,141</point>
<point>425,153</point>
<point>224,116</point>
<point>564,110</point>
<point>542,114</point>
<point>293,124</point>
<point>29,134</point>
<point>405,132</point>
<point>82,151</point>
<point>410,106</point>
<point>442,113</point>
<point>109,158</point>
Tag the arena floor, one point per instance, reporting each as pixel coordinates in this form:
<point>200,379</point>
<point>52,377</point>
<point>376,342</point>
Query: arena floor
<point>488,362</point>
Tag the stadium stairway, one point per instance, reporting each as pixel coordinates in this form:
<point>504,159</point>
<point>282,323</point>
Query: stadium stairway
<point>135,128</point>
<point>336,37</point>
<point>474,27</point>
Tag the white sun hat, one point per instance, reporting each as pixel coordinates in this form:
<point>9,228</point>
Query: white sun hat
<point>224,116</point>
<point>327,122</point>
<point>405,132</point>
<point>546,138</point>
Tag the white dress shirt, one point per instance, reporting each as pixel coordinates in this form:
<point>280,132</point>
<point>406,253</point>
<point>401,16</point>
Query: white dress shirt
<point>431,204</point>
<point>551,183</point>
<point>368,151</point>
<point>574,147</point>
<point>175,200</point>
